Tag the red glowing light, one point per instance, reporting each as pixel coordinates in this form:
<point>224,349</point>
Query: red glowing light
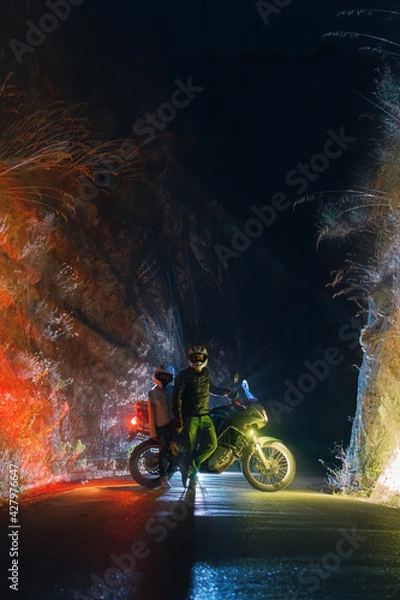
<point>134,421</point>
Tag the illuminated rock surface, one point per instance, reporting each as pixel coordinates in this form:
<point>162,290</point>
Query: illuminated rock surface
<point>369,218</point>
<point>99,282</point>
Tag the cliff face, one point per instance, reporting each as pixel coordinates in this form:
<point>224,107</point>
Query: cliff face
<point>370,217</point>
<point>103,275</point>
<point>375,442</point>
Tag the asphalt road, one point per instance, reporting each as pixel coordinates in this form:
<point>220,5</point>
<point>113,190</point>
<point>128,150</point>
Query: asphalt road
<point>112,539</point>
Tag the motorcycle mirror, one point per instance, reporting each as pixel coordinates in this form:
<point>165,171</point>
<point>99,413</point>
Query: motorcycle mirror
<point>236,378</point>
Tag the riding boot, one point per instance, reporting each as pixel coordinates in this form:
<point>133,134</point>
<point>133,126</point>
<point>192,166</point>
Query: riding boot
<point>193,481</point>
<point>184,474</point>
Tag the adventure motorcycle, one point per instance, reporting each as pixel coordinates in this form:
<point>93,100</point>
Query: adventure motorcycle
<point>266,462</point>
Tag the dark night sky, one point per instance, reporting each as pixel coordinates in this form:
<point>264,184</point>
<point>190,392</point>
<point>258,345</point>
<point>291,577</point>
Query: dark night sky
<point>271,93</point>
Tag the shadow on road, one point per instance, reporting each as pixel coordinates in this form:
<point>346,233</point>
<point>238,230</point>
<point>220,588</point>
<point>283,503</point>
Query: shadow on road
<point>105,540</point>
<point>167,571</point>
<point>158,559</point>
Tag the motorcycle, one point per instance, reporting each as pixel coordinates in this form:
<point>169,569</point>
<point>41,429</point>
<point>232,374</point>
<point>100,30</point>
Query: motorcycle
<point>266,463</point>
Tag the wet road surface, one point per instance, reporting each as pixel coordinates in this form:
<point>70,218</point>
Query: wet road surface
<point>112,539</point>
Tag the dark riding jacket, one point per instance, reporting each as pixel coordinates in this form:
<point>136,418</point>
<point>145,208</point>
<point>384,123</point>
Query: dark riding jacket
<point>191,393</point>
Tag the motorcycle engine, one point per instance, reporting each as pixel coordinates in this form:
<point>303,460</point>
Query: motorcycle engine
<point>221,459</point>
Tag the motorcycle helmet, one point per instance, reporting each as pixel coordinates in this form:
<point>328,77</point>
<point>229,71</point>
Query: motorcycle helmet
<point>198,357</point>
<point>163,376</point>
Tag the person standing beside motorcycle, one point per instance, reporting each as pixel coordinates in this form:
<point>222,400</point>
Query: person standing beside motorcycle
<point>160,416</point>
<point>190,406</point>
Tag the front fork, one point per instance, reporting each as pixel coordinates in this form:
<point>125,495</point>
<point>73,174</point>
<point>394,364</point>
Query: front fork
<point>258,447</point>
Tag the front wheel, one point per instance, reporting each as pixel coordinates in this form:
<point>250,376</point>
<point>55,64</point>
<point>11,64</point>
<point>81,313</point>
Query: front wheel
<point>276,473</point>
<point>144,464</point>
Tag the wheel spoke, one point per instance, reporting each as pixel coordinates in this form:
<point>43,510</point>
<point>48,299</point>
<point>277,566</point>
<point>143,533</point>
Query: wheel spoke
<point>276,470</point>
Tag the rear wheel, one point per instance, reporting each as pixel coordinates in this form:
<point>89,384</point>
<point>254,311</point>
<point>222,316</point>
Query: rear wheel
<point>144,464</point>
<point>273,474</point>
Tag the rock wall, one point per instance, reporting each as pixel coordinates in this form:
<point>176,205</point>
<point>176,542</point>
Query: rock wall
<point>104,273</point>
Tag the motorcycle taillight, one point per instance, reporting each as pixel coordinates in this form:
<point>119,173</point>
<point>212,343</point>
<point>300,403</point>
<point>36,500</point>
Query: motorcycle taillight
<point>134,421</point>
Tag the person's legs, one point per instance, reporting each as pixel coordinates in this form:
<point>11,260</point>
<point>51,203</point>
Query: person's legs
<point>163,434</point>
<point>208,444</point>
<point>192,425</point>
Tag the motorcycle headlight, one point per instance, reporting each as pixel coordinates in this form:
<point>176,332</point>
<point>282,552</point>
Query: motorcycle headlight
<point>264,412</point>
